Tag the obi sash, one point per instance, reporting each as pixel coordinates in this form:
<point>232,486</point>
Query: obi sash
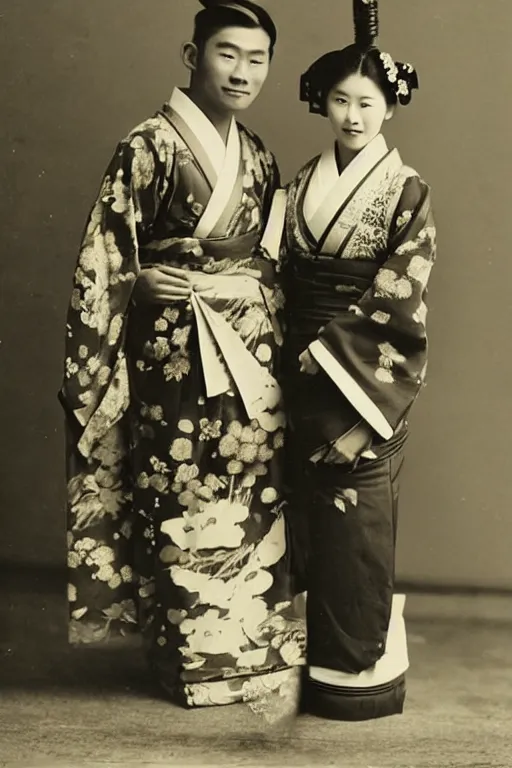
<point>225,358</point>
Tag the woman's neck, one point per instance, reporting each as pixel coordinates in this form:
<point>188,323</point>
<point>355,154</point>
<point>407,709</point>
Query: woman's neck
<point>344,156</point>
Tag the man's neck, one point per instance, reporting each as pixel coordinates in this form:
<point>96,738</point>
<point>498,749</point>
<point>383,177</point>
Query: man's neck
<point>220,119</point>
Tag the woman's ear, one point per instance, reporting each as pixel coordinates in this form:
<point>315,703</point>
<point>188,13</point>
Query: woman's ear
<point>389,113</point>
<point>189,56</point>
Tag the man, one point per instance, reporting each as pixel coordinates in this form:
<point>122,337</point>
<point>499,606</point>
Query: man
<point>175,419</point>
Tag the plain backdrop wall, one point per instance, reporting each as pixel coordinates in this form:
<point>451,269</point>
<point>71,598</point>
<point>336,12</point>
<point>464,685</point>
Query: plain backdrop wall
<point>76,76</point>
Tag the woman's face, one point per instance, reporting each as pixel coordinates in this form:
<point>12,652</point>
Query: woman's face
<point>356,109</point>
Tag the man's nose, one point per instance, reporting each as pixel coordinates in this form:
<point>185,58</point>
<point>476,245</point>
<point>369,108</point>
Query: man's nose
<point>240,72</point>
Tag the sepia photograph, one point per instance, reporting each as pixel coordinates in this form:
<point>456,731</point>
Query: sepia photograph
<point>255,301</point>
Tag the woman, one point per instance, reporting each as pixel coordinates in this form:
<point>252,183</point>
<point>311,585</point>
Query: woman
<point>358,250</point>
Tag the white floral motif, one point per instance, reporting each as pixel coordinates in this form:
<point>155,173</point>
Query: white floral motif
<point>181,449</point>
<point>93,497</point>
<point>115,328</point>
<point>403,219</point>
<point>420,316</point>
<point>216,525</point>
<point>419,269</point>
<point>388,284</point>
<point>143,163</point>
<point>120,194</point>
<point>348,495</point>
<point>185,425</point>
<point>161,348</point>
<point>403,88</point>
<point>93,365</point>
<point>186,472</point>
<point>103,375</point>
<point>211,634</point>
<point>155,412</point>
<point>161,325</point>
<point>83,378</point>
<point>390,67</point>
<point>269,495</point>
<point>389,356</point>
<point>210,430</point>
<point>264,353</point>
<point>251,659</point>
<point>71,368</point>
<point>178,367</point>
<point>171,314</point>
<point>115,258</point>
<point>180,336</point>
<point>381,317</point>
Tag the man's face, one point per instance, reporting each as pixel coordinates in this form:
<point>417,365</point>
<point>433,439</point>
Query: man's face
<point>233,67</point>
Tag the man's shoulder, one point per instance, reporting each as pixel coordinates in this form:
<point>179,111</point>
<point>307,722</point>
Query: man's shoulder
<point>154,131</point>
<point>253,140</point>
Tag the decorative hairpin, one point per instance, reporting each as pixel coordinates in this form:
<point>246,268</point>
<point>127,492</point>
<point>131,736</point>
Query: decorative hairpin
<point>402,77</point>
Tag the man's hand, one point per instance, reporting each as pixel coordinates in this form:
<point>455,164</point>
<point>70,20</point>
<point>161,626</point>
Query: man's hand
<point>162,285</point>
<point>225,287</point>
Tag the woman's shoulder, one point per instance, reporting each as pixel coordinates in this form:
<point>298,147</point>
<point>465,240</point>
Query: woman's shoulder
<point>414,187</point>
<point>303,173</point>
<point>308,166</point>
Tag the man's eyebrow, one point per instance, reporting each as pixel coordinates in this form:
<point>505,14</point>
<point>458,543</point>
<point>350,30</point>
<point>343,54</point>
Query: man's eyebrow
<point>233,47</point>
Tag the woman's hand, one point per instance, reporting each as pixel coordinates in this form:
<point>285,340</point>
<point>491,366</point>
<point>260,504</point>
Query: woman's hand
<point>347,448</point>
<point>308,364</point>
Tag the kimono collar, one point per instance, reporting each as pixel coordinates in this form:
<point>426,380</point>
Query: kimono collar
<point>202,127</point>
<point>328,189</point>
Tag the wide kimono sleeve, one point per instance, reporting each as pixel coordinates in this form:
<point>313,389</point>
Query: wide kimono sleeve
<point>94,392</point>
<point>376,353</point>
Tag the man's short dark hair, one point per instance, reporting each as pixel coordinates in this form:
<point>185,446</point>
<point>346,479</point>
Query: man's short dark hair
<point>211,20</point>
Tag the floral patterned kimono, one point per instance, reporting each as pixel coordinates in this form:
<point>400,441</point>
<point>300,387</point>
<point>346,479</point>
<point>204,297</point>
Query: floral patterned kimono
<point>358,251</point>
<point>175,420</point>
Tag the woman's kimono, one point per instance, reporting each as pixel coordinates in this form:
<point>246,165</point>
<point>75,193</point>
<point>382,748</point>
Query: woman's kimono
<point>175,420</point>
<point>358,251</point>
